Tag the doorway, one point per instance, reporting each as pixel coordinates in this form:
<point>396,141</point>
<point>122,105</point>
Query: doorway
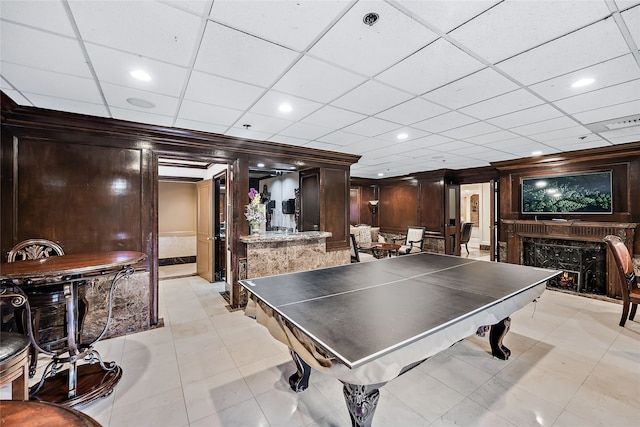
<point>476,207</point>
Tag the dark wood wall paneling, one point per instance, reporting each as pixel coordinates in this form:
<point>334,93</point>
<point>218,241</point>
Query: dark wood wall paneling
<point>623,160</point>
<point>84,199</point>
<point>310,199</point>
<point>334,212</point>
<point>91,183</point>
<point>422,203</point>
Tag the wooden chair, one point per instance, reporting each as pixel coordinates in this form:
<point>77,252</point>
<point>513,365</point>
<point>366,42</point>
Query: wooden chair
<point>413,242</point>
<point>14,354</point>
<point>465,234</point>
<point>41,296</point>
<point>626,277</point>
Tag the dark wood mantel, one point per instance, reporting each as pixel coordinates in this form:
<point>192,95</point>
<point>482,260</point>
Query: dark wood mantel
<point>585,231</point>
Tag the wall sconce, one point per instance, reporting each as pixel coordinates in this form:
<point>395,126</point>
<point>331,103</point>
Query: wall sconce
<point>374,206</point>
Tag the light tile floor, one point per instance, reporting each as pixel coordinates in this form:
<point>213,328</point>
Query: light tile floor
<point>571,365</point>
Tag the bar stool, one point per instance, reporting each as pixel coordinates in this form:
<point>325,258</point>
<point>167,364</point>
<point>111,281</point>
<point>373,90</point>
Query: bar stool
<point>14,364</point>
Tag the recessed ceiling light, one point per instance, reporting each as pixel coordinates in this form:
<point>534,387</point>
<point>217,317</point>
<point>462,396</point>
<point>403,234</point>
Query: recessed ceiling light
<point>380,174</point>
<point>583,82</point>
<point>142,103</point>
<point>285,108</point>
<point>141,75</point>
<point>260,165</point>
<point>536,153</point>
<point>402,136</point>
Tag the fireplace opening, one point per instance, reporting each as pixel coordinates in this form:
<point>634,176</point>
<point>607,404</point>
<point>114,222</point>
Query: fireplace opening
<point>583,263</point>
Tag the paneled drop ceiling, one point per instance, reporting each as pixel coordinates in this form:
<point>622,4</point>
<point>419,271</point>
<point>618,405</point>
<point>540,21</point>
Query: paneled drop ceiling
<point>430,85</point>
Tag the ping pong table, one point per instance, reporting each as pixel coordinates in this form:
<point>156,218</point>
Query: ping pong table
<point>367,323</point>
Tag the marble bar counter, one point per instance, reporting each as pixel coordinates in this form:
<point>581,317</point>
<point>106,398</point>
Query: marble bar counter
<point>279,252</point>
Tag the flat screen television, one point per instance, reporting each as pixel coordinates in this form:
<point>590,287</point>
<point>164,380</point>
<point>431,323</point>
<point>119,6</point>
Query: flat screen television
<point>586,193</point>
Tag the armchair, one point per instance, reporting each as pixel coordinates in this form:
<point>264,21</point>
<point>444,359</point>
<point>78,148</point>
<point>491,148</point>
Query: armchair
<point>413,242</point>
<point>626,277</point>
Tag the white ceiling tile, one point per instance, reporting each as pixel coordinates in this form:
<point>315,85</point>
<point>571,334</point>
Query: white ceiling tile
<point>495,156</point>
<point>429,141</point>
<point>220,91</point>
<point>69,105</point>
<point>42,50</point>
<point>624,139</point>
<point>364,146</point>
<point>522,143</point>
<point>613,95</point>
<point>371,127</point>
<point>477,87</point>
<point>435,65</point>
<point>294,24</point>
<point>491,137</point>
<point>370,49</point>
<point>575,131</point>
<point>341,138</point>
<point>629,131</point>
<point>202,126</point>
<point>283,139</point>
<point>513,101</point>
<point>323,146</point>
<point>199,7</point>
<point>588,145</point>
<point>229,53</point>
<point>247,134</point>
<point>446,15</point>
<point>596,43</point>
<point>609,73</point>
<point>444,122</point>
<point>412,111</point>
<point>631,18</point>
<point>371,98</point>
<point>17,97</point>
<point>145,28</point>
<point>534,147</point>
<point>45,15</point>
<point>265,124</point>
<point>515,26</point>
<point>609,113</point>
<point>317,80</point>
<point>117,96</point>
<point>530,115</point>
<point>329,116</point>
<point>269,103</point>
<point>471,130</point>
<point>32,80</point>
<point>192,110</point>
<point>305,131</point>
<point>113,66</point>
<point>411,134</point>
<point>141,117</point>
<point>625,4</point>
<point>544,126</point>
<point>452,146</point>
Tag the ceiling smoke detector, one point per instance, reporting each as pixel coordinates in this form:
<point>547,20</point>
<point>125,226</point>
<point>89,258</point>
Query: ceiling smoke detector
<point>370,18</point>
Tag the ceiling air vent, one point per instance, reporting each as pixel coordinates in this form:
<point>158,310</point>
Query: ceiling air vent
<point>614,124</point>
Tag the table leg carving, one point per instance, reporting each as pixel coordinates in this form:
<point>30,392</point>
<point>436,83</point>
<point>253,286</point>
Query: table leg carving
<point>299,381</point>
<point>496,336</point>
<point>362,401</point>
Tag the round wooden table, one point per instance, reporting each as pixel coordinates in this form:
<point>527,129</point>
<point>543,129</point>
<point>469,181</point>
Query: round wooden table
<point>19,413</point>
<point>79,384</point>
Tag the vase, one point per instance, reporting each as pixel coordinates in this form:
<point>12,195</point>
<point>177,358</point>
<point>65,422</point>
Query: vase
<point>254,227</point>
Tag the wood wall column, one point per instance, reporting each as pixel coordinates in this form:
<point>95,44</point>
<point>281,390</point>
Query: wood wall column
<point>238,186</point>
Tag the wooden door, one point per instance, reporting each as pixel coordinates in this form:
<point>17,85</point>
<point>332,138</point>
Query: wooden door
<point>205,232</point>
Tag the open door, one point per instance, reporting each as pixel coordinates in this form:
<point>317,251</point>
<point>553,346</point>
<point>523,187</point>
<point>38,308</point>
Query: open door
<point>205,233</point>
<point>452,219</point>
<point>219,226</point>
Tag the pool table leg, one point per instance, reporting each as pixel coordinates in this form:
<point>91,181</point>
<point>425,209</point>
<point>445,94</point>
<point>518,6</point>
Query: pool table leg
<point>362,401</point>
<point>497,334</point>
<point>299,381</point>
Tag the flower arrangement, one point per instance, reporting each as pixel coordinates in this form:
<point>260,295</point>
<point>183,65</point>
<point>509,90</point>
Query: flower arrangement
<point>255,211</point>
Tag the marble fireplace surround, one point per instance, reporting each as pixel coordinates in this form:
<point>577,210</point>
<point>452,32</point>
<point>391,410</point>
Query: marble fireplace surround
<point>572,231</point>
